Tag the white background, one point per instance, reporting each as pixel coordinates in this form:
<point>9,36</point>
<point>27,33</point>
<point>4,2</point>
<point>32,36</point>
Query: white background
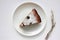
<point>7,31</point>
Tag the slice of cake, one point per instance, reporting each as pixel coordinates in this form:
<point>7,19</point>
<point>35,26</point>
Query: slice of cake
<point>32,18</point>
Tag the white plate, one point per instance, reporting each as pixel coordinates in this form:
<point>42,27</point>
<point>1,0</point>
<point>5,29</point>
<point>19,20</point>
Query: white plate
<point>21,12</point>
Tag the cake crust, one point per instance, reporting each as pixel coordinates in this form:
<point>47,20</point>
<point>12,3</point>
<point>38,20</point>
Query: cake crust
<point>38,18</point>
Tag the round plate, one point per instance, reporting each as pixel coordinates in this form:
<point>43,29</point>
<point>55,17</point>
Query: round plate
<point>21,12</point>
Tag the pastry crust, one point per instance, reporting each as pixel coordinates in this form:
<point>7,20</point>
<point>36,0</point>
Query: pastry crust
<point>38,18</point>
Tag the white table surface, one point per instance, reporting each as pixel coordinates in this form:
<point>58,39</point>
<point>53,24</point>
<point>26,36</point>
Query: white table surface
<point>7,31</point>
